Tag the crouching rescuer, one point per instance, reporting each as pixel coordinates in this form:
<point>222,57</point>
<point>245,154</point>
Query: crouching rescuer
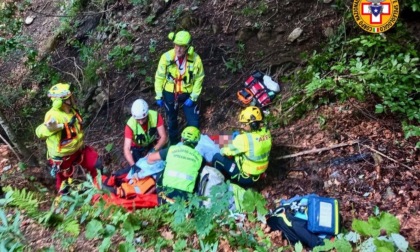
<point>63,134</point>
<point>182,169</point>
<point>144,132</point>
<point>246,158</point>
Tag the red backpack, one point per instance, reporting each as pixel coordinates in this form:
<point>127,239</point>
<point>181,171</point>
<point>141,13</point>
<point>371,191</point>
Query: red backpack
<point>256,92</point>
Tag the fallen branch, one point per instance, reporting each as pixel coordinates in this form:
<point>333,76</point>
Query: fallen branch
<point>293,146</point>
<point>10,147</point>
<point>318,150</point>
<point>228,24</point>
<point>385,156</point>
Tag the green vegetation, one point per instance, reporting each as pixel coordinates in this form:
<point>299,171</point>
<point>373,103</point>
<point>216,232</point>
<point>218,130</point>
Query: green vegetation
<point>414,5</point>
<point>256,9</point>
<point>148,228</point>
<point>379,233</point>
<point>10,235</point>
<point>11,39</point>
<point>71,213</point>
<point>140,2</point>
<point>236,62</point>
<point>368,65</point>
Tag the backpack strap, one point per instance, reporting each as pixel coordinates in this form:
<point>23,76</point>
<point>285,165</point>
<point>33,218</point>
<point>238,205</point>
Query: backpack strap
<point>203,184</point>
<point>288,202</point>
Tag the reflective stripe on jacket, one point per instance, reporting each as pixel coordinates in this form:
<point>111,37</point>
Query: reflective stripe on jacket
<point>251,151</point>
<point>140,137</point>
<point>63,142</point>
<point>168,73</point>
<point>182,166</point>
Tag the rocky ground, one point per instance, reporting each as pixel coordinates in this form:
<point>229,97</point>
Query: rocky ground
<point>342,150</point>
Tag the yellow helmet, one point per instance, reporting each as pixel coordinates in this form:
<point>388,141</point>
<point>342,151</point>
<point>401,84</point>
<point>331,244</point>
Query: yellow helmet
<point>181,38</point>
<point>60,90</point>
<point>250,114</point>
<point>191,135</point>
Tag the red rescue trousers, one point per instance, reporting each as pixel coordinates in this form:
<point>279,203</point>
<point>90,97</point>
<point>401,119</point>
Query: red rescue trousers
<point>86,157</point>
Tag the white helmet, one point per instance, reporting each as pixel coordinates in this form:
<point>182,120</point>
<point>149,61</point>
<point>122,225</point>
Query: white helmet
<point>139,109</point>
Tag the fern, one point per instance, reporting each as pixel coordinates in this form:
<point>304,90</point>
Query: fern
<point>26,201</point>
<point>50,218</point>
<point>69,226</point>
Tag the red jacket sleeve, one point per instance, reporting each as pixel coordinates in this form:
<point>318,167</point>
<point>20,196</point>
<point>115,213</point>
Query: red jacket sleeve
<point>159,121</point>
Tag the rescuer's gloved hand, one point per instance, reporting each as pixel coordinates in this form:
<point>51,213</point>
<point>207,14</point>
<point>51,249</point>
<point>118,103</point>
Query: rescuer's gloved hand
<point>159,103</point>
<point>188,102</point>
<point>52,125</point>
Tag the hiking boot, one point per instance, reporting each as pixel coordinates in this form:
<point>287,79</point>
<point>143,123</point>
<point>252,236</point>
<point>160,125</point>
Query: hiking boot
<point>64,190</point>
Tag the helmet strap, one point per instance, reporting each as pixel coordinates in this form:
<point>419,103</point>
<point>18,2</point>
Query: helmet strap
<point>57,103</point>
<point>190,50</point>
<point>254,125</point>
<point>189,144</point>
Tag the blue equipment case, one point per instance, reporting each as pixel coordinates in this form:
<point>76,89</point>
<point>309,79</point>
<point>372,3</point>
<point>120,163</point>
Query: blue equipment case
<point>323,215</point>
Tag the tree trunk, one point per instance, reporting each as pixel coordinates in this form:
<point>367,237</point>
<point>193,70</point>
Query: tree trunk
<point>26,155</point>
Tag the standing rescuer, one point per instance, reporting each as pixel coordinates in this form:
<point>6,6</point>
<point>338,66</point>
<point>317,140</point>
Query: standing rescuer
<point>178,82</point>
<point>250,150</point>
<point>144,132</point>
<point>63,134</point>
<point>182,169</point>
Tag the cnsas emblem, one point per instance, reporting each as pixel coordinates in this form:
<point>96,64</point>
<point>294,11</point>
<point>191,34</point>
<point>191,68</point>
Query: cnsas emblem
<point>375,16</point>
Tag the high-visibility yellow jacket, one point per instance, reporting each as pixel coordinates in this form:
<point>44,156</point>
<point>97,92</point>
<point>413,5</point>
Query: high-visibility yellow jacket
<point>251,151</point>
<point>168,75</point>
<point>182,166</point>
<point>62,142</point>
<point>140,137</point>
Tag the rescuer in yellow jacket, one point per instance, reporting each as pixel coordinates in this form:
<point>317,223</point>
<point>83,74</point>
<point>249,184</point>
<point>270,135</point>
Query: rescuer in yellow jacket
<point>63,134</point>
<point>178,83</point>
<point>250,150</point>
<point>183,166</point>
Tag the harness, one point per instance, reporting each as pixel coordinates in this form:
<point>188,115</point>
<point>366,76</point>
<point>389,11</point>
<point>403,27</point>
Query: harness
<point>182,69</point>
<point>56,163</point>
<point>69,131</point>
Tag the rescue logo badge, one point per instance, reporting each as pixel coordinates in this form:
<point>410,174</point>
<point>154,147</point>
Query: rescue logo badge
<point>375,16</point>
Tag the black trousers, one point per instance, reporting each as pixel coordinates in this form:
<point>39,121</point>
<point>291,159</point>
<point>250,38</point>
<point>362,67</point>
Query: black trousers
<point>172,107</point>
<point>230,169</point>
<point>297,232</point>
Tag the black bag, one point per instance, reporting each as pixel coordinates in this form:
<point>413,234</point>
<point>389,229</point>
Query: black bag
<point>294,229</point>
<point>309,219</point>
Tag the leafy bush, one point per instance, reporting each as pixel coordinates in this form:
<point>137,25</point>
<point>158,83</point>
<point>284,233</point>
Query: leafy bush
<point>255,10</point>
<point>11,239</point>
<point>368,65</point>
<point>122,56</point>
<point>414,5</point>
<point>172,226</point>
<point>11,38</point>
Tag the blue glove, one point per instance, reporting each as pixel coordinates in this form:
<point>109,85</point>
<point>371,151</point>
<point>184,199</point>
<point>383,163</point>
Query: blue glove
<point>54,171</point>
<point>159,103</point>
<point>188,102</point>
<point>235,134</point>
<point>134,169</point>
